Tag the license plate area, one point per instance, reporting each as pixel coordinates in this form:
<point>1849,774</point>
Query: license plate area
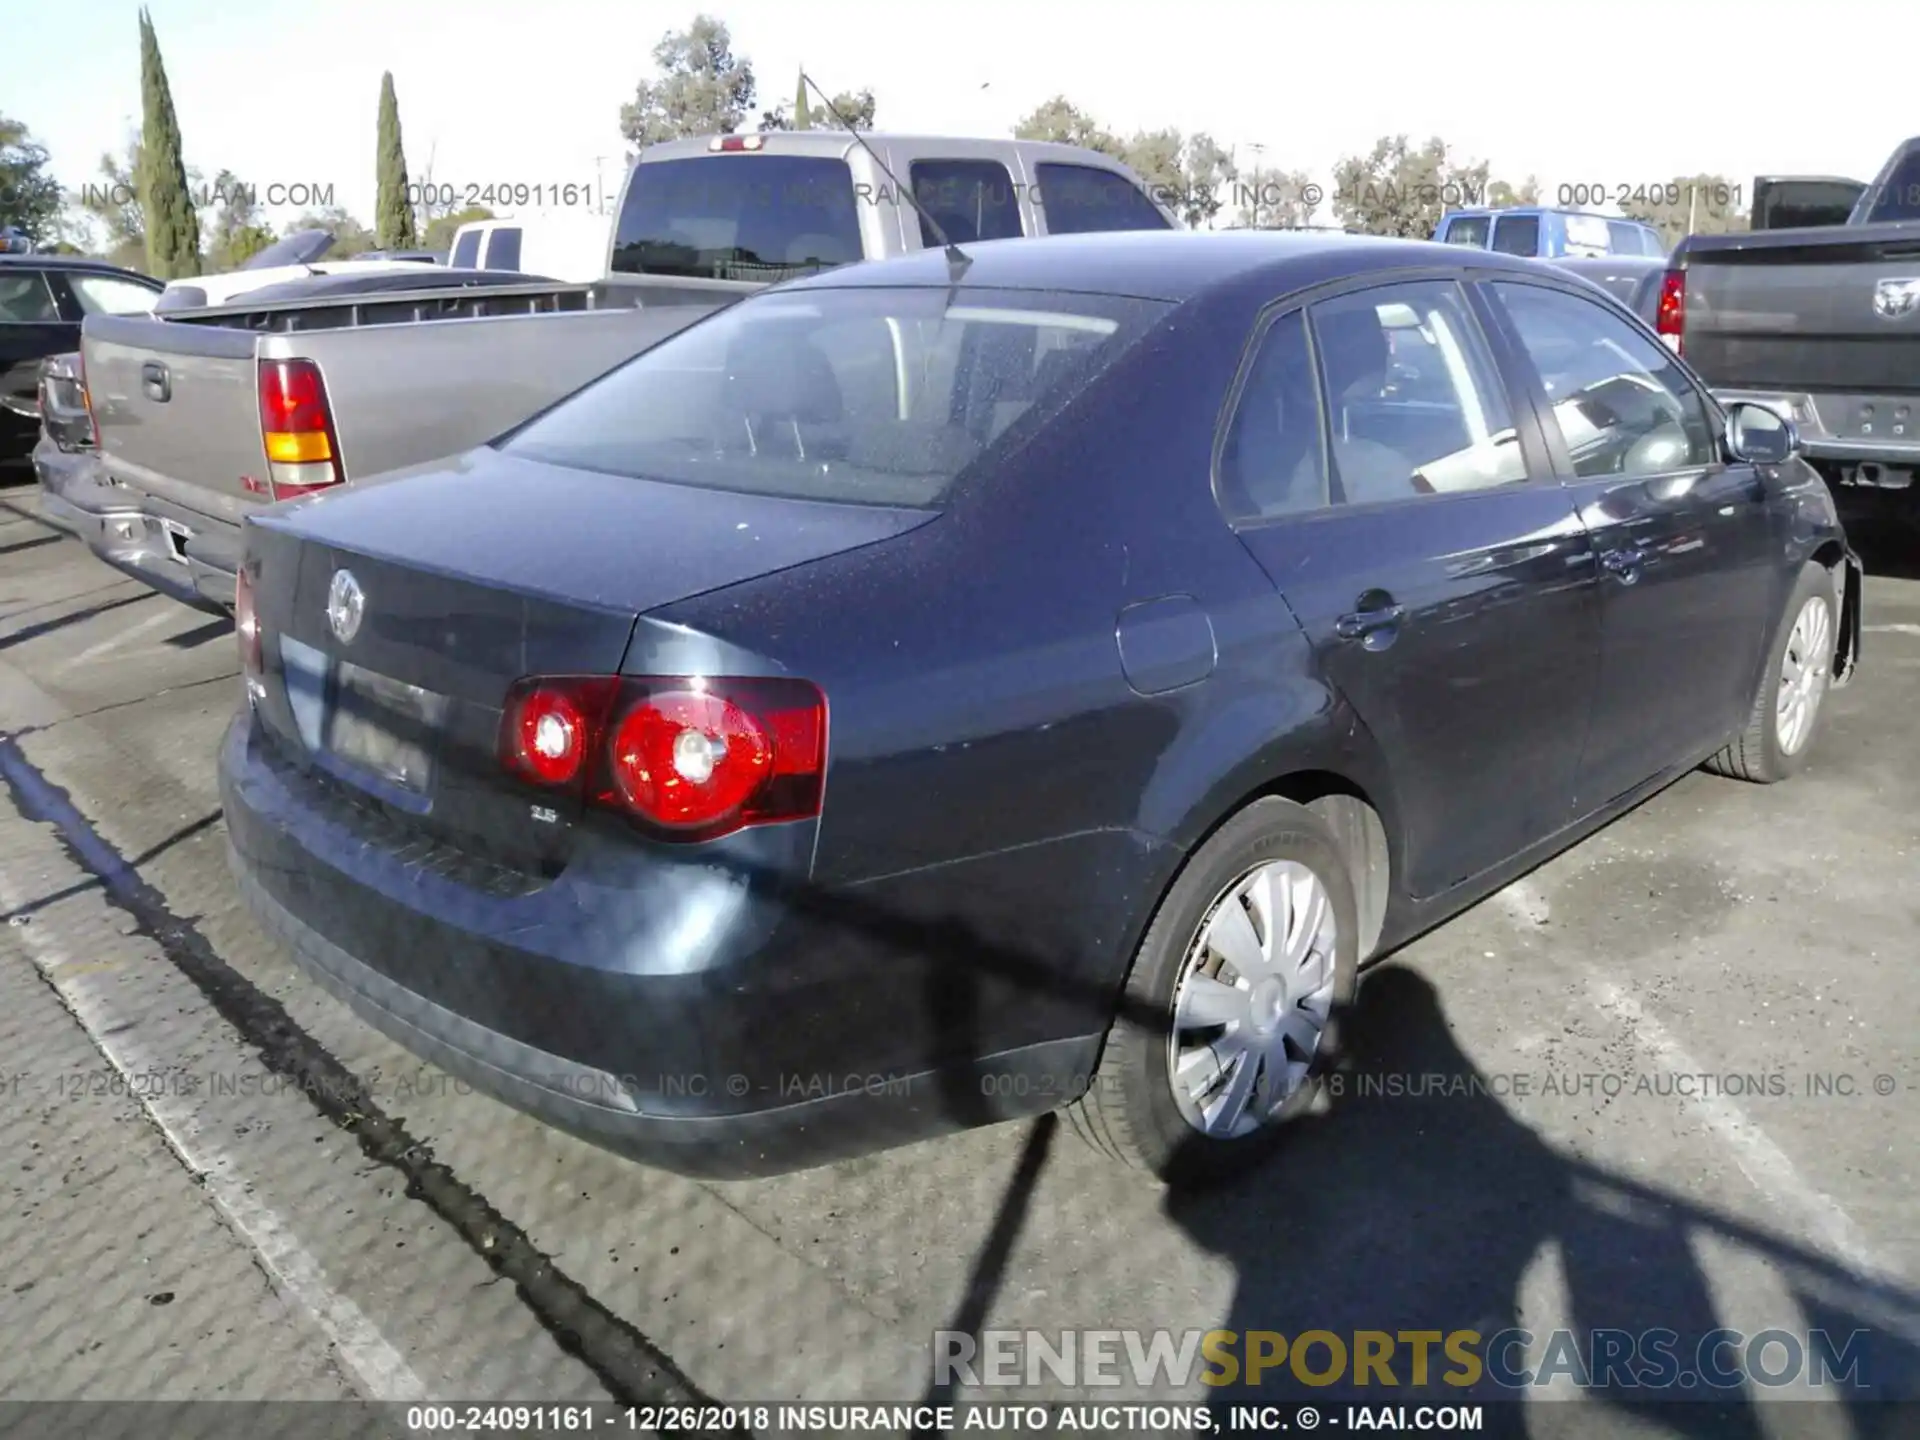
<point>384,727</point>
<point>1894,418</point>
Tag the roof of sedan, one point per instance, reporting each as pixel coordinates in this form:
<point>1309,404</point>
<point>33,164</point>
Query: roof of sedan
<point>43,260</point>
<point>1158,264</point>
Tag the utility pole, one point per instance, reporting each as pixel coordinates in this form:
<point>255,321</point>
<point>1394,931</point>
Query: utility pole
<point>1258,185</point>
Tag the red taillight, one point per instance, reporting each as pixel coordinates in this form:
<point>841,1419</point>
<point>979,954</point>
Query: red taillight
<point>296,427</point>
<point>690,759</point>
<point>1671,318</point>
<point>246,624</point>
<point>732,143</point>
<point>550,727</point>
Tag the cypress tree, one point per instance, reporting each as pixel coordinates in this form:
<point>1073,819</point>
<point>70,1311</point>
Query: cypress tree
<point>173,229</point>
<point>392,215</point>
<point>802,117</point>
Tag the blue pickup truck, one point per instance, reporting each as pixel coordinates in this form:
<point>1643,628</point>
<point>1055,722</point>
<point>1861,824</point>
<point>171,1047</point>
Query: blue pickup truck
<point>1548,234</point>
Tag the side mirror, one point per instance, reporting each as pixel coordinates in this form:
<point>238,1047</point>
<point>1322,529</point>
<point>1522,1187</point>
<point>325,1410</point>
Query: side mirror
<point>1757,435</point>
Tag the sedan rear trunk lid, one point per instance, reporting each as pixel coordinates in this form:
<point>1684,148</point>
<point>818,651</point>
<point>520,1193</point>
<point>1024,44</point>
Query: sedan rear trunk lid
<point>467,576</point>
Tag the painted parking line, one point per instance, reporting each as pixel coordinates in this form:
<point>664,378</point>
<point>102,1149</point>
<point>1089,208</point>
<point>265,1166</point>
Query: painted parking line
<point>94,997</point>
<point>1764,1163</point>
<point>114,642</point>
<point>1896,628</point>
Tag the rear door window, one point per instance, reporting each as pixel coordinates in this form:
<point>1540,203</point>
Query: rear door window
<point>1467,230</point>
<point>110,295</point>
<point>503,250</point>
<point>1622,238</point>
<point>1274,459</point>
<point>466,251</point>
<point>1898,196</point>
<point>969,199</point>
<point>1081,199</point>
<point>25,299</point>
<point>1415,402</point>
<point>1517,234</point>
<point>747,216</point>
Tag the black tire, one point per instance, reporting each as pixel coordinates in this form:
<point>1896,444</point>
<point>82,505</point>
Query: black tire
<point>1129,1111</point>
<point>1756,753</point>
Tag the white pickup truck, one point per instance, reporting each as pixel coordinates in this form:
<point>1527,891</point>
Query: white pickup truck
<point>205,414</point>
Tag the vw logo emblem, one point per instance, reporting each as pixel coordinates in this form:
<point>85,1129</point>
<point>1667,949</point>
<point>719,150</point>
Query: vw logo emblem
<point>346,602</point>
<point>1895,299</point>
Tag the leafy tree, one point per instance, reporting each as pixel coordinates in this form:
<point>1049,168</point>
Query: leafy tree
<point>172,227</point>
<point>1067,124</point>
<point>1500,194</point>
<point>1696,204</point>
<point>1190,174</point>
<point>392,214</point>
<point>236,234</point>
<point>350,237</point>
<point>702,89</point>
<point>440,230</point>
<point>855,106</point>
<point>29,196</point>
<point>1397,190</point>
<point>110,207</point>
<point>1207,174</point>
<point>1277,200</point>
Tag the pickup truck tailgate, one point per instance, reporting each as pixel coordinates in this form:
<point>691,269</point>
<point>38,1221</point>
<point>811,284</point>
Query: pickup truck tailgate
<point>178,410</point>
<point>1783,306</point>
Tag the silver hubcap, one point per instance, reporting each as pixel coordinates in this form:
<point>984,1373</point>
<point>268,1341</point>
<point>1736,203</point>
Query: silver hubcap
<point>1253,1000</point>
<point>1803,674</point>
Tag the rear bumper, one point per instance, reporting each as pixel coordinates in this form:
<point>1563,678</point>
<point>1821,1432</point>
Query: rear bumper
<point>126,530</point>
<point>678,1014</point>
<point>1830,425</point>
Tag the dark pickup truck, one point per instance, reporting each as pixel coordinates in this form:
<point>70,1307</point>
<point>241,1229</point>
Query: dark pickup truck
<point>1820,324</point>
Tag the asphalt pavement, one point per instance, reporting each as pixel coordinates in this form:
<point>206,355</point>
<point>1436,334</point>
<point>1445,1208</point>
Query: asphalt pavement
<point>1671,1079</point>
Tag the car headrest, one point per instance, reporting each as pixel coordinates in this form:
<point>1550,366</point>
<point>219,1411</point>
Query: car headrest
<point>783,376</point>
<point>1353,346</point>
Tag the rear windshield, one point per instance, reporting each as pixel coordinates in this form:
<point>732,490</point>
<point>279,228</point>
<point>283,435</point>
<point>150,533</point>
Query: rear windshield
<point>1467,230</point>
<point>746,216</point>
<point>1897,197</point>
<point>1081,199</point>
<point>1517,235</point>
<point>877,396</point>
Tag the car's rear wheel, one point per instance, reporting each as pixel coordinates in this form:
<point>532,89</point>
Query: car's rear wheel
<point>1232,1007</point>
<point>1786,711</point>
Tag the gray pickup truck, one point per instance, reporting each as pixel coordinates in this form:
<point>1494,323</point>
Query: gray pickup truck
<point>206,414</point>
<point>1820,324</point>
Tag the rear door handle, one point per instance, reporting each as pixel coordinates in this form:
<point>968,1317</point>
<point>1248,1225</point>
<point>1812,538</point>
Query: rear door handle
<point>1363,623</point>
<point>155,380</point>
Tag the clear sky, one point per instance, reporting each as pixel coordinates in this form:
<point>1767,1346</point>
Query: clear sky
<point>1613,92</point>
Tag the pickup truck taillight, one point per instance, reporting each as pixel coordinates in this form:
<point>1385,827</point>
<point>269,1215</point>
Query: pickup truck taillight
<point>1671,317</point>
<point>86,397</point>
<point>297,429</point>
